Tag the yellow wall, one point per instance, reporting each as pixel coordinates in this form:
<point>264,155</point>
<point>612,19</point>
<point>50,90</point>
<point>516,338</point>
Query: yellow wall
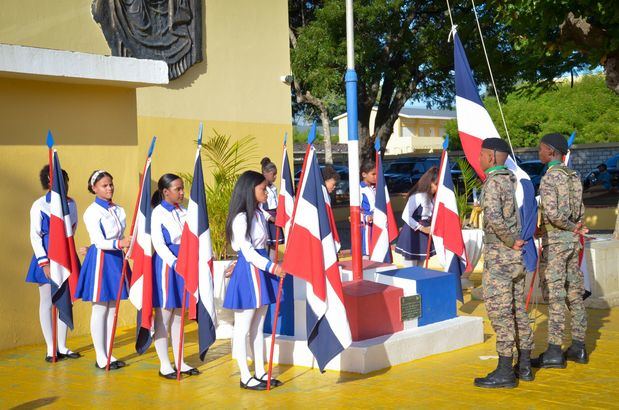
<point>235,90</point>
<point>94,127</point>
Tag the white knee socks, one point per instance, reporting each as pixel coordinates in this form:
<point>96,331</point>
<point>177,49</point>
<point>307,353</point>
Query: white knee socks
<point>45,317</point>
<point>101,321</point>
<point>246,322</point>
<point>163,317</point>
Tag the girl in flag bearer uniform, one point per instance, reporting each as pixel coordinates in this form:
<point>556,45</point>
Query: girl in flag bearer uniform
<point>254,280</point>
<point>368,199</point>
<point>417,216</point>
<point>269,208</point>
<point>39,266</point>
<point>102,269</point>
<point>167,221</point>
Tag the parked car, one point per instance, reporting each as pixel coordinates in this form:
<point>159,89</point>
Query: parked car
<point>401,174</point>
<point>613,162</point>
<point>591,179</point>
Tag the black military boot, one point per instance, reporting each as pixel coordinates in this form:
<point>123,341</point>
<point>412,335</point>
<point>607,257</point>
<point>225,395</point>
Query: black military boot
<point>523,368</point>
<point>577,352</point>
<point>503,376</point>
<point>552,358</point>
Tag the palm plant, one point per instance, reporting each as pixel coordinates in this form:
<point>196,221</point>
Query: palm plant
<point>225,160</point>
<point>470,181</point>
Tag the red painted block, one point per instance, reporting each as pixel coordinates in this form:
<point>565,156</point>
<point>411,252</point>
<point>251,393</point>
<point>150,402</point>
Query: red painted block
<point>373,309</point>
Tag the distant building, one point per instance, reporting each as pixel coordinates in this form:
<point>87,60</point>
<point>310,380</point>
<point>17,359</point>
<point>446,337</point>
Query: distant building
<point>416,129</point>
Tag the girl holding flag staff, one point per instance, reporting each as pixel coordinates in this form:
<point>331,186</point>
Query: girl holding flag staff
<point>254,281</point>
<point>269,208</point>
<point>39,266</point>
<point>417,216</point>
<point>102,269</point>
<point>167,221</point>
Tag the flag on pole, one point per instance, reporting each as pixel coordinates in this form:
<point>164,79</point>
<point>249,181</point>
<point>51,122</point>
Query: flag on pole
<point>568,157</point>
<point>141,252</point>
<point>311,255</point>
<point>64,266</point>
<point>446,229</point>
<point>285,202</point>
<point>475,125</point>
<point>195,259</point>
<point>384,226</point>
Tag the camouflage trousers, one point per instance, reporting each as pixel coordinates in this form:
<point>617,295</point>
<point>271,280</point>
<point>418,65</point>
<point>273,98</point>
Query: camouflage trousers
<point>563,284</point>
<point>503,284</point>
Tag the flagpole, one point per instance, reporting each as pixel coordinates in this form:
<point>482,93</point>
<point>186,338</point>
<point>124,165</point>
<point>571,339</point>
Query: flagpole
<point>124,267</point>
<point>277,303</point>
<point>182,336</point>
<point>353,145</point>
<point>440,170</point>
<point>54,310</point>
<point>539,256</point>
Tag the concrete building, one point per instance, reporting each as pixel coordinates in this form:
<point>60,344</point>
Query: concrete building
<point>415,130</point>
<point>104,111</point>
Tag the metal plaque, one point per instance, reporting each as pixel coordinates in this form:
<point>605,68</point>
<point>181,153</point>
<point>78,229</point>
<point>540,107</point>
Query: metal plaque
<point>410,307</point>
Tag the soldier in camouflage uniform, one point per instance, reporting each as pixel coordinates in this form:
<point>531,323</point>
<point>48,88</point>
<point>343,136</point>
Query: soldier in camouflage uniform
<point>504,272</point>
<point>562,281</point>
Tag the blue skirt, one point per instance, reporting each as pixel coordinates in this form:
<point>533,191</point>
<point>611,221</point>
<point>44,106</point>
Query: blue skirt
<point>35,273</point>
<point>250,287</point>
<point>168,286</point>
<point>100,276</point>
<point>413,245</point>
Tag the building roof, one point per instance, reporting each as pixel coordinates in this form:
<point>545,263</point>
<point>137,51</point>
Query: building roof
<point>409,112</point>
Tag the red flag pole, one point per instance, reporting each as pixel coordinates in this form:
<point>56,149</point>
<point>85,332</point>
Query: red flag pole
<point>539,256</point>
<point>54,310</point>
<point>182,337</point>
<point>124,272</point>
<point>277,302</point>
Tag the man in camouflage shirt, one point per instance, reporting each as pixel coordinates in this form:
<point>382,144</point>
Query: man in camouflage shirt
<point>562,281</point>
<point>504,272</point>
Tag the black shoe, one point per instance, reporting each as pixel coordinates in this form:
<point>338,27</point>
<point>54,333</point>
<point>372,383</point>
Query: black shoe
<point>113,366</point>
<point>70,355</point>
<point>191,372</point>
<point>169,376</point>
<point>552,358</point>
<point>59,357</point>
<point>577,352</point>
<point>274,382</point>
<point>119,363</point>
<point>261,386</point>
<point>523,368</point>
<point>503,376</point>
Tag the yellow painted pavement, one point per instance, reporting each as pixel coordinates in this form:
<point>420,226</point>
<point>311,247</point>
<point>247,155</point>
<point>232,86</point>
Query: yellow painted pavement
<point>440,381</point>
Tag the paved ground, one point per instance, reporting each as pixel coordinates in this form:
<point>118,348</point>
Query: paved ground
<point>440,381</point>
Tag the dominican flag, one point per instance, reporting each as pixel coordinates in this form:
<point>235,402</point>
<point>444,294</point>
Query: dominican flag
<point>141,252</point>
<point>285,202</point>
<point>195,259</point>
<point>446,229</point>
<point>311,255</point>
<point>64,266</point>
<point>582,261</point>
<point>475,125</point>
<point>384,227</point>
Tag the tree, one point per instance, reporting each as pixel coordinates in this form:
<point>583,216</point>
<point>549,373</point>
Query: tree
<point>588,107</point>
<point>582,32</point>
<point>401,52</point>
<point>316,93</point>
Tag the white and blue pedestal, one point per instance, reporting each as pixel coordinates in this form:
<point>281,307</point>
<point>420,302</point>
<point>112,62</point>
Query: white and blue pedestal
<point>436,329</point>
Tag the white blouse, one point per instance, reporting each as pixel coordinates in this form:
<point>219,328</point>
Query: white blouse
<point>419,198</point>
<point>105,223</point>
<point>172,219</point>
<point>258,235</point>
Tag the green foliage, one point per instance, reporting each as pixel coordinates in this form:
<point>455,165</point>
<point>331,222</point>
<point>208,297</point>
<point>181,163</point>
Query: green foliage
<point>471,181</point>
<point>589,107</point>
<point>226,160</point>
